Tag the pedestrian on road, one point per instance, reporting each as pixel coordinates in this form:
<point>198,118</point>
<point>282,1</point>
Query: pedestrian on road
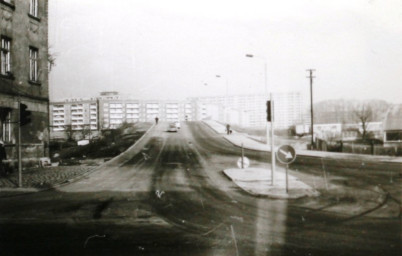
<point>3,156</point>
<point>156,120</point>
<point>228,129</point>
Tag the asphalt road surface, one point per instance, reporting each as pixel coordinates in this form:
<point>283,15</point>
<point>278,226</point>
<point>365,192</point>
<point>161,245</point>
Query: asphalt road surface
<point>171,198</point>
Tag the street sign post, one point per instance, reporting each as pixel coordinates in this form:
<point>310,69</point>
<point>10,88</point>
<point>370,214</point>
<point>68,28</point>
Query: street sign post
<point>286,155</point>
<point>243,163</point>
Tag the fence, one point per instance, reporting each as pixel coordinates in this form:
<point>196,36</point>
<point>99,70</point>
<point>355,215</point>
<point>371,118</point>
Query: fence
<point>358,148</point>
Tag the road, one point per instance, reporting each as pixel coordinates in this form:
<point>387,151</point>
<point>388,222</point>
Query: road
<point>171,198</point>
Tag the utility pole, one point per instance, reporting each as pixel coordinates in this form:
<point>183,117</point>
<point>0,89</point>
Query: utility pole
<point>272,141</point>
<point>311,105</point>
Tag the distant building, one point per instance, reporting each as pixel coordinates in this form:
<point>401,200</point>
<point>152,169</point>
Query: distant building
<point>393,125</point>
<point>223,114</point>
<point>74,115</point>
<point>338,131</point>
<point>110,109</point>
<point>114,109</point>
<point>288,107</point>
<point>24,75</point>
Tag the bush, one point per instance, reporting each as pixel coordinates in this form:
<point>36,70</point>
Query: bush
<point>334,146</point>
<point>109,146</point>
<point>111,143</point>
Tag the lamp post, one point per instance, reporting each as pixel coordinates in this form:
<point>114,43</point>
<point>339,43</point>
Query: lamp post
<point>227,83</point>
<point>272,120</point>
<point>311,106</point>
<point>227,88</point>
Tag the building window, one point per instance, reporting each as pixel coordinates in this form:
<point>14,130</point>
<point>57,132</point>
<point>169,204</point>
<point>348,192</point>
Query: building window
<point>394,135</point>
<point>33,64</point>
<point>5,124</point>
<point>9,3</point>
<point>33,8</point>
<point>5,59</point>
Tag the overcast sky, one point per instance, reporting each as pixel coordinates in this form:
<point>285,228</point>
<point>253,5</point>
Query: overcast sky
<point>174,49</point>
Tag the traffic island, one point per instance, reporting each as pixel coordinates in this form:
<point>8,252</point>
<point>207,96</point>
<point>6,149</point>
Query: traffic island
<point>257,182</point>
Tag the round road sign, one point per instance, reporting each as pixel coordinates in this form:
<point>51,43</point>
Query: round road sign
<point>286,154</point>
<point>246,162</point>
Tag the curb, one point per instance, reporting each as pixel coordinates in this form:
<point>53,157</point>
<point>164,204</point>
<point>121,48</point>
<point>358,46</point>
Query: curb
<point>282,196</point>
<point>210,127</point>
<point>331,155</point>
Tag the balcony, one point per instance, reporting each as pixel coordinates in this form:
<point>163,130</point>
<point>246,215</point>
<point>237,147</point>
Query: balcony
<point>132,110</point>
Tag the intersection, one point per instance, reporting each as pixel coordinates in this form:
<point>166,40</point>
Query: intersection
<point>177,201</point>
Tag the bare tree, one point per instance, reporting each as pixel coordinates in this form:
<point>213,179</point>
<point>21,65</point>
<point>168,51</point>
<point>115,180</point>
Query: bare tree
<point>51,59</point>
<point>86,131</point>
<point>68,129</point>
<point>364,114</point>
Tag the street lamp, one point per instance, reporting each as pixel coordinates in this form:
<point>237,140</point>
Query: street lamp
<point>272,120</point>
<point>227,89</point>
<point>226,104</point>
<point>227,83</point>
<point>311,106</point>
<point>265,71</point>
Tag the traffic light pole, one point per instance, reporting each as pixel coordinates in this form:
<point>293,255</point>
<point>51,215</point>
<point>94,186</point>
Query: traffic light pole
<point>270,118</point>
<point>19,145</point>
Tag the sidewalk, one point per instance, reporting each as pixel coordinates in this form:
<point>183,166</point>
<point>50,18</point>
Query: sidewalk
<point>37,179</point>
<point>239,139</point>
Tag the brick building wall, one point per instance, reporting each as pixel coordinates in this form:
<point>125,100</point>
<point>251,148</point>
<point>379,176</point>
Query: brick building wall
<point>24,75</point>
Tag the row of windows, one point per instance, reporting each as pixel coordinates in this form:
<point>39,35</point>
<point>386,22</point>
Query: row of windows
<point>33,6</point>
<point>138,105</point>
<point>5,50</point>
<point>5,60</point>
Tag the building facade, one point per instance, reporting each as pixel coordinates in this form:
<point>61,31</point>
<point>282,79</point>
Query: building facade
<point>79,114</point>
<point>24,75</point>
<point>393,125</point>
<point>110,109</point>
<point>288,108</point>
<point>115,109</point>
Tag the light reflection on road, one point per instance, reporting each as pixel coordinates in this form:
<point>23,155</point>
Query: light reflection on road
<point>270,226</point>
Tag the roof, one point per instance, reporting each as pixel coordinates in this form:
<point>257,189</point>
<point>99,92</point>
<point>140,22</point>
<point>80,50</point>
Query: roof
<point>393,120</point>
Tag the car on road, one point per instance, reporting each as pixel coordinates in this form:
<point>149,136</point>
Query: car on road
<point>177,123</point>
<point>172,127</point>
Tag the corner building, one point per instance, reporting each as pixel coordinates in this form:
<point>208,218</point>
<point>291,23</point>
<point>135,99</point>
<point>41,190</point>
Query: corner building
<point>24,76</point>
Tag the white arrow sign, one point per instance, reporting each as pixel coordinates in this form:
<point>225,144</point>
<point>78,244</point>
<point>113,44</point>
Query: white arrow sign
<point>288,155</point>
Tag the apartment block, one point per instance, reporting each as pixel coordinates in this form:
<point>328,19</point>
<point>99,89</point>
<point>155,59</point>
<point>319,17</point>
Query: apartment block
<point>288,108</point>
<point>110,109</point>
<point>77,113</point>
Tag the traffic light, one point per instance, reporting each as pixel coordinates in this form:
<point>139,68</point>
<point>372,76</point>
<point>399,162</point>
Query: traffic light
<point>25,115</point>
<point>269,117</point>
